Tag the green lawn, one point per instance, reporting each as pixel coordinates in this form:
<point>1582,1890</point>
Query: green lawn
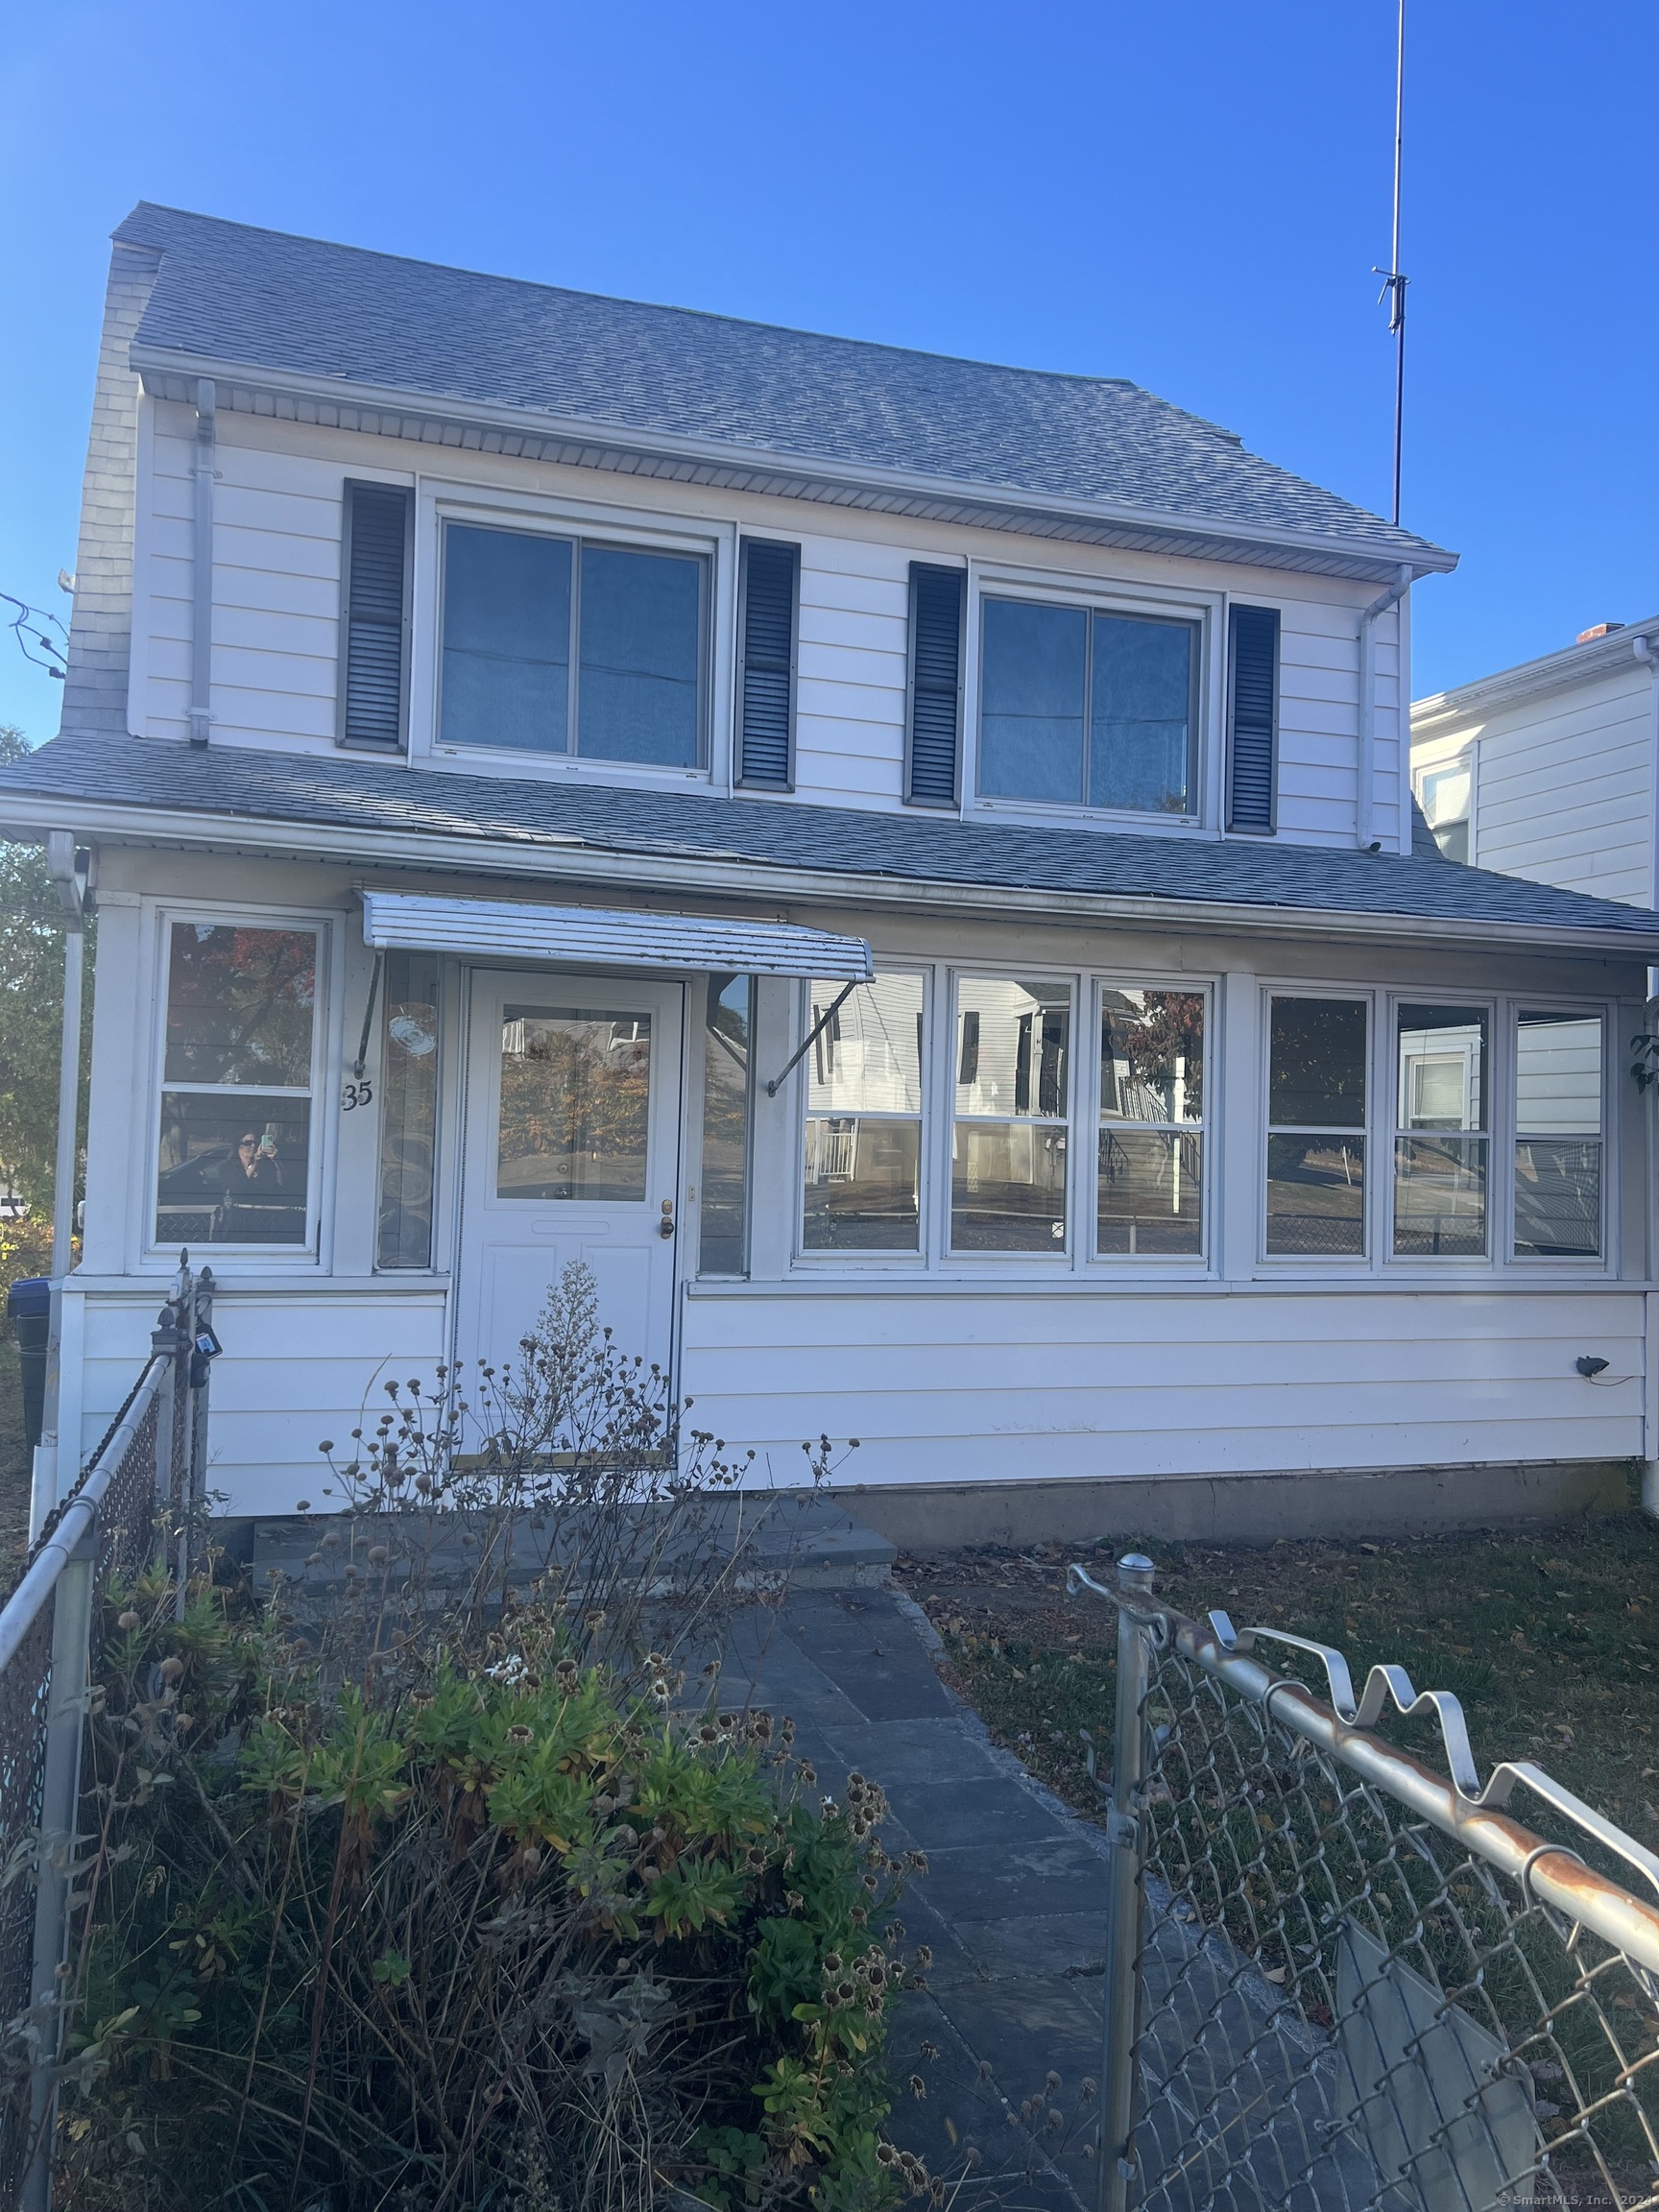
<point>1549,1638</point>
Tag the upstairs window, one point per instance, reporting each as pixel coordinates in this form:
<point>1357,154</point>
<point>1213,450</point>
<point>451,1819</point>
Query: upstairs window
<point>1446,796</point>
<point>1558,1136</point>
<point>1083,708</point>
<point>235,1153</point>
<point>557,645</point>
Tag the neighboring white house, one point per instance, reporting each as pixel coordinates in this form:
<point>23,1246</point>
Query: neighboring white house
<point>1550,770</point>
<point>905,866</point>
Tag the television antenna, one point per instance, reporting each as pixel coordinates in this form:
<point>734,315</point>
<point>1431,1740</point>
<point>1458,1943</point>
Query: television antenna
<point>1394,279</point>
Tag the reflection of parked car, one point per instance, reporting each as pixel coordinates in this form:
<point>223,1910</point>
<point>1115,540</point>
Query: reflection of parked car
<point>13,1206</point>
<point>211,1199</point>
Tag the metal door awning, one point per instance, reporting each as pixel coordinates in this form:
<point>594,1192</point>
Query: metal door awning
<point>609,937</point>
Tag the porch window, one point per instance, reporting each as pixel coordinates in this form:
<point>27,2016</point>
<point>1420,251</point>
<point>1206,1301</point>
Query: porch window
<point>558,645</point>
<point>234,1156</point>
<point>1149,1168</point>
<point>1009,1140</point>
<point>723,1196</point>
<point>862,1190</point>
<point>1441,1141</point>
<point>1558,1140</point>
<point>1316,1103</point>
<point>1083,708</point>
<point>408,1109</point>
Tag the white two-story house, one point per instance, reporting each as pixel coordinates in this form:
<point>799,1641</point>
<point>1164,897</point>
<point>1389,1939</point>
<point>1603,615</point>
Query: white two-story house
<point>905,866</point>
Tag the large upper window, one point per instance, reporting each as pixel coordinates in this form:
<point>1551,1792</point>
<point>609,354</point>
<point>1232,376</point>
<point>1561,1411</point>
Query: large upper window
<point>234,1156</point>
<point>1317,1097</point>
<point>1085,709</point>
<point>557,645</point>
<point>863,1159</point>
<point>1440,1144</point>
<point>1149,1188</point>
<point>1558,1136</point>
<point>1008,1148</point>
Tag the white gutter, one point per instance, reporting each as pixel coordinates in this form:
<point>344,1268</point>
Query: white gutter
<point>738,876</point>
<point>1364,807</point>
<point>1646,651</point>
<point>201,709</point>
<point>490,426</point>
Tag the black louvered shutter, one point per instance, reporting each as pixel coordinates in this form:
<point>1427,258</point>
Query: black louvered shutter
<point>1253,719</point>
<point>377,559</point>
<point>934,735</point>
<point>767,736</point>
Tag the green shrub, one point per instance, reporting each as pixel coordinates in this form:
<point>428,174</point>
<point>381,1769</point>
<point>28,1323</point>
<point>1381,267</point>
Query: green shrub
<point>511,1934</point>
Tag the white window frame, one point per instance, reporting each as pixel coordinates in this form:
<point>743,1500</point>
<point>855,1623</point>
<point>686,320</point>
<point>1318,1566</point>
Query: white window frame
<point>1206,610</point>
<point>1422,769</point>
<point>439,503</point>
<point>1500,1096</point>
<point>1187,1263</point>
<point>816,1260</point>
<point>1335,1263</point>
<point>1603,1263</point>
<point>315,1256</point>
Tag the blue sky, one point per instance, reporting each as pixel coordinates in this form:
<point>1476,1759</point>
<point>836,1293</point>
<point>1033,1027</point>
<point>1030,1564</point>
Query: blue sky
<point>1192,196</point>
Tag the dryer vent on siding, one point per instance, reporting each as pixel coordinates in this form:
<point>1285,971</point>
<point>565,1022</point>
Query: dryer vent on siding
<point>933,731</point>
<point>374,679</point>
<point>768,597</point>
<point>1253,719</point>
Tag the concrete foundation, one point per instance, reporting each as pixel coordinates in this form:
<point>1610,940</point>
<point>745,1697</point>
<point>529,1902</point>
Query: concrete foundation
<point>1243,1508</point>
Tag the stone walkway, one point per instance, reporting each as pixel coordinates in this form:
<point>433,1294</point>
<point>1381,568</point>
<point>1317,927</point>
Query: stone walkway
<point>1012,1904</point>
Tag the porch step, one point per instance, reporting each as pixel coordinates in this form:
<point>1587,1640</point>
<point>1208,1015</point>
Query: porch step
<point>804,1538</point>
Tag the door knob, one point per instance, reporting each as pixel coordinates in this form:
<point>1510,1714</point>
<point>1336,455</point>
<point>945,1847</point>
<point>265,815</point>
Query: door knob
<point>665,1227</point>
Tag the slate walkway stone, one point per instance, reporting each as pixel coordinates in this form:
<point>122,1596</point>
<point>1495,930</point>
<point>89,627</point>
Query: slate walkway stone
<point>1012,1905</point>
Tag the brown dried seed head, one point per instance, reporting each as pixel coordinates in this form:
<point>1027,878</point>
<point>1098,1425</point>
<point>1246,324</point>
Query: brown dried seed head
<point>127,1619</point>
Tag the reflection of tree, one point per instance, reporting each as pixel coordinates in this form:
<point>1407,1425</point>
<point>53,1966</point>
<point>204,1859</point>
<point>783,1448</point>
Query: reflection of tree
<point>1160,1040</point>
<point>576,1091</point>
<point>1318,1063</point>
<point>240,1005</point>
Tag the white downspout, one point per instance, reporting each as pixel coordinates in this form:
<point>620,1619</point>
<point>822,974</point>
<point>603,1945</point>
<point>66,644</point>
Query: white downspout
<point>1364,835</point>
<point>1646,651</point>
<point>202,562</point>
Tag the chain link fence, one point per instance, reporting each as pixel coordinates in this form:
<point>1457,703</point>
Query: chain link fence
<point>1339,1981</point>
<point>136,1497</point>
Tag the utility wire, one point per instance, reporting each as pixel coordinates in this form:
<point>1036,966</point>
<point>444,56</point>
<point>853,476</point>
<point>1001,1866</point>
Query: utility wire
<point>1394,280</point>
<point>31,626</point>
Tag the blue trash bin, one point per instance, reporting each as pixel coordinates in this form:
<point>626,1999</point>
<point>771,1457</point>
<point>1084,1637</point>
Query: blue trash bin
<point>28,1309</point>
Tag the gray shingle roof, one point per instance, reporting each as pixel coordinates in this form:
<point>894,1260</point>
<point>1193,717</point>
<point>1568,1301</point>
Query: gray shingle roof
<point>262,300</point>
<point>377,798</point>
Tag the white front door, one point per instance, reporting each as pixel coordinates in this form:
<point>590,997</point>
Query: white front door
<point>572,1153</point>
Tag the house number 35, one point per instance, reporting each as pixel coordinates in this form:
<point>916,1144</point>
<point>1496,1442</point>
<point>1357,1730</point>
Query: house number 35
<point>359,1093</point>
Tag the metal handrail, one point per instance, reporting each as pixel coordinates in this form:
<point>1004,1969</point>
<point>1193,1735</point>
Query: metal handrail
<point>77,1518</point>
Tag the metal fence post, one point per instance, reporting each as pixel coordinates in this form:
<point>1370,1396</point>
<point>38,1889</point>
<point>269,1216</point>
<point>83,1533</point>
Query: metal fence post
<point>67,1708</point>
<point>1117,2069</point>
<point>167,1340</point>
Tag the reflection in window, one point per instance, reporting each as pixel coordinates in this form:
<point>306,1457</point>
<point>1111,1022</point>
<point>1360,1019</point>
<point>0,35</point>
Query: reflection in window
<point>723,1194</point>
<point>551,646</point>
<point>863,1149</point>
<point>575,1104</point>
<point>1087,709</point>
<point>233,1153</point>
<point>408,1109</point>
<point>1317,1122</point>
<point>1445,794</point>
<point>1009,1139</point>
<point>1441,1144</point>
<point>1558,1136</point>
<point>1149,1188</point>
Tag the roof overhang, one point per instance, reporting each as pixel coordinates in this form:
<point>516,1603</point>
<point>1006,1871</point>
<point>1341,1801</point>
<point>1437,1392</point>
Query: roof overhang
<point>749,881</point>
<point>610,937</point>
<point>430,420</point>
<point>1595,662</point>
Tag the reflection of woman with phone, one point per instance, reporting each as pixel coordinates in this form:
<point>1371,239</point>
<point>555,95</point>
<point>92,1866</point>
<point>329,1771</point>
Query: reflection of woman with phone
<point>253,1167</point>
